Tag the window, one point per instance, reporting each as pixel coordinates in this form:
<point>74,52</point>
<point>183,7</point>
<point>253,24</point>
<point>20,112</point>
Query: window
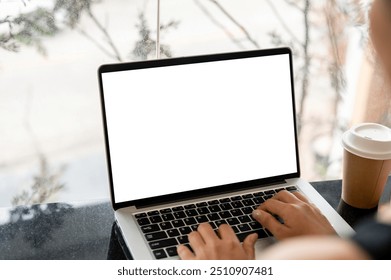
<point>51,132</point>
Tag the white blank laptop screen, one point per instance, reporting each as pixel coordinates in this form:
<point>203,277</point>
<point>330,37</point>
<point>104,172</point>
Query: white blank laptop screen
<point>192,126</point>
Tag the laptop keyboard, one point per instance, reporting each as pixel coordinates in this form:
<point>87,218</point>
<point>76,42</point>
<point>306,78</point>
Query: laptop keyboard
<point>165,229</point>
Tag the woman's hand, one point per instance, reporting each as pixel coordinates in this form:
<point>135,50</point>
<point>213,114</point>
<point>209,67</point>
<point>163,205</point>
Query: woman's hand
<point>289,214</point>
<point>207,245</point>
<point>285,215</point>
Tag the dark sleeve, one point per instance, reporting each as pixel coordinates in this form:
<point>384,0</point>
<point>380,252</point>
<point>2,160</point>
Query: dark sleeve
<point>375,238</point>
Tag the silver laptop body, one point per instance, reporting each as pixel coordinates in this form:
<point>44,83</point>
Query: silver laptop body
<point>216,132</point>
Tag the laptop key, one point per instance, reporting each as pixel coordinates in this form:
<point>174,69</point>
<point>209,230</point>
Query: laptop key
<point>201,219</point>
<point>291,189</point>
<point>225,200</point>
<point>244,227</point>
<point>257,194</point>
<point>248,202</point>
<point>156,235</point>
<point>236,198</point>
<point>190,221</point>
<point>168,217</point>
<point>173,232</point>
<point>171,251</point>
<point>261,233</point>
<point>237,204</point>
<point>179,215</point>
<point>166,210</point>
<point>178,208</point>
<point>185,230</point>
<point>191,212</point>
<point>247,210</point>
<point>214,208</point>
<point>190,206</point>
<point>152,213</point>
<point>201,204</point>
<point>155,219</point>
<point>225,214</point>
<point>266,197</point>
<point>150,228</point>
<point>241,236</point>
<point>226,206</point>
<point>143,221</point>
<point>213,217</point>
<point>165,225</point>
<point>255,225</point>
<point>178,223</point>
<point>270,192</point>
<point>244,219</point>
<point>258,200</point>
<point>163,243</point>
<point>213,202</point>
<point>140,215</point>
<point>236,212</point>
<point>203,210</point>
<point>233,221</point>
<point>159,254</point>
<point>183,239</point>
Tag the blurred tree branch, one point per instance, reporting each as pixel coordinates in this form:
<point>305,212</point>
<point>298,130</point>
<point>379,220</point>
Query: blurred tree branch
<point>45,184</point>
<point>145,47</point>
<point>282,21</point>
<point>299,46</point>
<point>28,29</point>
<point>225,29</point>
<point>72,10</point>
<point>218,24</point>
<point>235,21</point>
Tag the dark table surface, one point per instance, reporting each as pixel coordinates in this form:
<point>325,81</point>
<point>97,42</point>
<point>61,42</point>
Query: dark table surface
<point>81,230</point>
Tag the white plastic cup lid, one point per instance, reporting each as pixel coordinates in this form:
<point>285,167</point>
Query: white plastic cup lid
<point>368,140</point>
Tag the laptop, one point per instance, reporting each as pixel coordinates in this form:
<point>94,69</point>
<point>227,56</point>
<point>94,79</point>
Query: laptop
<point>200,139</point>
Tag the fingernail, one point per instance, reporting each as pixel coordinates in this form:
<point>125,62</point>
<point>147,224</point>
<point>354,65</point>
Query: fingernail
<point>257,213</point>
<point>179,249</point>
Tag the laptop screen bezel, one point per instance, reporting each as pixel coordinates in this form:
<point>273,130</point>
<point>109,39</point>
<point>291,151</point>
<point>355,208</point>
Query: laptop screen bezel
<point>107,68</point>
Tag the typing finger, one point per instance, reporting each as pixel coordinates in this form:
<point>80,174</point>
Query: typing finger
<point>274,206</point>
<point>207,233</point>
<point>196,240</point>
<point>270,222</point>
<point>290,197</point>
<point>185,253</point>
<point>301,196</point>
<point>227,233</point>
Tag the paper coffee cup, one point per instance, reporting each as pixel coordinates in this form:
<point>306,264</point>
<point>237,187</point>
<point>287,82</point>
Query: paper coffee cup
<point>366,164</point>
